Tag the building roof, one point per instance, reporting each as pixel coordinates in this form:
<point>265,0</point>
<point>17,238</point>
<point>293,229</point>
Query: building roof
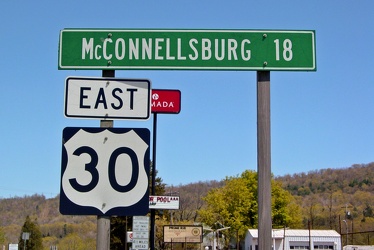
<point>279,233</point>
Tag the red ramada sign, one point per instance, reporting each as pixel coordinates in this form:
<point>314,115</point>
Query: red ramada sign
<point>164,202</point>
<point>166,101</point>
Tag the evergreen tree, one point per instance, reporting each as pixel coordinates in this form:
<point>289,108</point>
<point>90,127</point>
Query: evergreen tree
<point>368,211</point>
<point>35,241</point>
<point>118,231</point>
<point>121,224</point>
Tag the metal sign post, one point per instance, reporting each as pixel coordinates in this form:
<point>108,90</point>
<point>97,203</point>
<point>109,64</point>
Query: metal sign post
<point>164,102</point>
<point>25,237</point>
<point>264,160</point>
<point>153,192</point>
<point>103,222</point>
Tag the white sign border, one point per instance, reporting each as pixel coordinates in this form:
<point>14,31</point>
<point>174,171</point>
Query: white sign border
<point>107,117</point>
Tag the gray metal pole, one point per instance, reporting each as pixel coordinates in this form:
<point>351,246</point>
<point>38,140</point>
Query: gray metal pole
<point>153,191</point>
<point>264,161</point>
<point>103,232</point>
<point>103,222</point>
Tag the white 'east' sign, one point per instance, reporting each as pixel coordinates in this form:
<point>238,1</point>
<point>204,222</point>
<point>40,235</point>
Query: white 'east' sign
<point>107,98</point>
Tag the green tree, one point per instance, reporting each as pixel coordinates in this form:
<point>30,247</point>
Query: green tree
<point>49,241</point>
<point>235,205</point>
<point>71,242</point>
<point>159,185</point>
<point>118,229</point>
<point>368,211</point>
<point>285,210</point>
<point>2,236</point>
<point>35,241</point>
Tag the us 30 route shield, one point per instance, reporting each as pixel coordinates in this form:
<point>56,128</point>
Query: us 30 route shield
<point>105,171</point>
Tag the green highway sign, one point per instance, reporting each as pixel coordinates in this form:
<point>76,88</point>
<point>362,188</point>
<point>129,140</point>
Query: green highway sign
<point>258,50</point>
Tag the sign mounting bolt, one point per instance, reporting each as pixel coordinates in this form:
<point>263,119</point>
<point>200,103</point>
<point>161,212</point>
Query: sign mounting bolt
<point>265,63</point>
<point>109,62</point>
<point>110,35</point>
<point>264,35</point>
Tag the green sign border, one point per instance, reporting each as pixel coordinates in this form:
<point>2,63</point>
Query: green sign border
<point>306,52</point>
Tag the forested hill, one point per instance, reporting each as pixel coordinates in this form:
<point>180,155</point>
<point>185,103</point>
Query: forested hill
<point>329,197</point>
<point>326,197</point>
<point>347,180</point>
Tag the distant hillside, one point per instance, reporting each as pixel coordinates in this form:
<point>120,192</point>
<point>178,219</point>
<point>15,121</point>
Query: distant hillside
<point>339,199</point>
<point>13,212</point>
<point>348,180</point>
<point>324,195</point>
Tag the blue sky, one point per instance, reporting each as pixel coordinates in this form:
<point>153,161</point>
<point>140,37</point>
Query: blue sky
<point>322,119</point>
